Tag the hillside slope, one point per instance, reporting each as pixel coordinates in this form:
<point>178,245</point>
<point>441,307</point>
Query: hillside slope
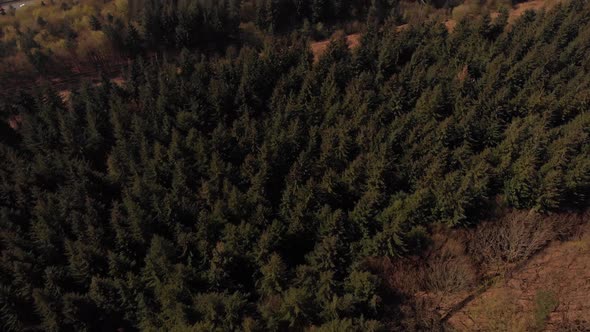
<point>554,285</point>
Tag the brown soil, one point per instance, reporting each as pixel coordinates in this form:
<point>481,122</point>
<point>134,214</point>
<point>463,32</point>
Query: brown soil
<point>450,25</point>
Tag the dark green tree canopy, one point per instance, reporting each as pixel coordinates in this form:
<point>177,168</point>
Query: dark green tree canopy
<point>247,192</point>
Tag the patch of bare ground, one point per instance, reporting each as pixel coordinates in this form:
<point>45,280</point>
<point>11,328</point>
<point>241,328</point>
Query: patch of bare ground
<point>450,25</point>
<point>319,48</point>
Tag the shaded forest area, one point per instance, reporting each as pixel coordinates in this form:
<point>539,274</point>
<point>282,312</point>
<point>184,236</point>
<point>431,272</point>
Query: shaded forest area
<point>253,191</point>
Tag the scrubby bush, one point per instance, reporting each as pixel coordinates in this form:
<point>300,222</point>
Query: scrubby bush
<point>466,10</point>
<point>545,302</point>
<point>511,240</point>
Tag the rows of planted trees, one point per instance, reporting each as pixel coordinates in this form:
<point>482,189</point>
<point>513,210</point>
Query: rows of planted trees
<point>246,192</point>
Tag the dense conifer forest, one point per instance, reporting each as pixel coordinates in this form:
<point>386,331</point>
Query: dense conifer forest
<point>250,191</point>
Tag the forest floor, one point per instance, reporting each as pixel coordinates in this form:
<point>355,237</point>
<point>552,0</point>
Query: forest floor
<point>547,292</point>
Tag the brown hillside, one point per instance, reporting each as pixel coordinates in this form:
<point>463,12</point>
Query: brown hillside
<point>553,286</point>
<point>518,271</point>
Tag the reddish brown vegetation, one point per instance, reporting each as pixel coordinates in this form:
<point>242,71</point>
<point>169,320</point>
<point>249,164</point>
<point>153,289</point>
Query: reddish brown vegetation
<point>518,254</point>
<point>15,121</point>
<point>561,270</point>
